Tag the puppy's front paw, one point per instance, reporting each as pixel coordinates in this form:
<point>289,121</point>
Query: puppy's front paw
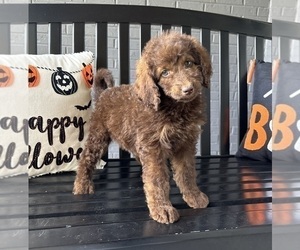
<point>196,199</point>
<point>83,187</point>
<point>164,214</point>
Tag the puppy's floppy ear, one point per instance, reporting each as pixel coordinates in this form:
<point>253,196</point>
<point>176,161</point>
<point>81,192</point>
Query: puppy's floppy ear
<point>145,86</point>
<point>204,61</point>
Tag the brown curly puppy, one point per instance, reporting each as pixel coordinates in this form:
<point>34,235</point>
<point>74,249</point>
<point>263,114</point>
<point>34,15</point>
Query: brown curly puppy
<point>157,119</point>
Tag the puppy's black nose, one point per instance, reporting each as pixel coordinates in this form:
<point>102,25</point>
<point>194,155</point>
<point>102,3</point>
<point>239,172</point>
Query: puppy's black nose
<point>187,90</point>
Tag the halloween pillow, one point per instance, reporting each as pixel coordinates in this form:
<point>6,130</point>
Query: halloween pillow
<point>286,119</point>
<point>50,111</point>
<point>13,116</point>
<point>257,144</point>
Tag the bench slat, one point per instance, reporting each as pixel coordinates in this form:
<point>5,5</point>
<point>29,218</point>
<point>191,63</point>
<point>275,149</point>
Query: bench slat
<point>259,48</point>
<point>100,230</point>
<point>187,30</point>
<point>101,45</point>
<point>55,38</point>
<point>284,48</point>
<point>124,65</point>
<point>205,136</point>
<point>32,38</point>
<point>145,34</point>
<point>5,38</point>
<point>224,93</point>
<point>242,87</point>
<point>78,36</point>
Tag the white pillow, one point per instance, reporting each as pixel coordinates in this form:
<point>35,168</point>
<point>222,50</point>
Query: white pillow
<point>46,105</point>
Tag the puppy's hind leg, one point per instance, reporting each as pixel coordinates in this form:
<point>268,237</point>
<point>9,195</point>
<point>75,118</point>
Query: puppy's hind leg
<point>96,145</point>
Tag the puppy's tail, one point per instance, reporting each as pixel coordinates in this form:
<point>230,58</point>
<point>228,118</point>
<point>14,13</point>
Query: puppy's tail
<point>103,80</point>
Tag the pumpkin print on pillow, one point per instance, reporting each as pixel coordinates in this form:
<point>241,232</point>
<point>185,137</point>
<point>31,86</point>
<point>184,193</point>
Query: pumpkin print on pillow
<point>33,76</point>
<point>6,76</point>
<point>63,82</point>
<point>87,73</point>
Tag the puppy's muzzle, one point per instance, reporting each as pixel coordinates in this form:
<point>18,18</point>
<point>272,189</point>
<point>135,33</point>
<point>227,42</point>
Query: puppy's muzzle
<point>188,90</point>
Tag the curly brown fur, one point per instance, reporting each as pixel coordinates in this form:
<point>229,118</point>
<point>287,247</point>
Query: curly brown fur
<point>103,80</point>
<point>157,118</point>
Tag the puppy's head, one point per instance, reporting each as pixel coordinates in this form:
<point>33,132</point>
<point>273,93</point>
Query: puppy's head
<point>173,64</point>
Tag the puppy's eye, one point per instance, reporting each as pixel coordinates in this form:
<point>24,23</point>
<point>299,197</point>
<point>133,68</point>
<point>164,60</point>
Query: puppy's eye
<point>188,64</point>
<point>165,73</point>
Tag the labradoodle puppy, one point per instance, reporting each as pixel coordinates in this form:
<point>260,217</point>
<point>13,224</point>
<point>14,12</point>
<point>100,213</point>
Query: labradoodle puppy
<point>157,119</point>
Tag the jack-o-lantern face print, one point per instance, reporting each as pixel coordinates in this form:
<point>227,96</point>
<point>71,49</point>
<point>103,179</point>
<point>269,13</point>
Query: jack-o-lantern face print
<point>6,76</point>
<point>87,73</point>
<point>33,76</point>
<point>63,82</point>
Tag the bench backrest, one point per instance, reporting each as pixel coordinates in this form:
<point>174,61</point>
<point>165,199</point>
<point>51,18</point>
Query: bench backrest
<point>286,37</point>
<point>146,20</point>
